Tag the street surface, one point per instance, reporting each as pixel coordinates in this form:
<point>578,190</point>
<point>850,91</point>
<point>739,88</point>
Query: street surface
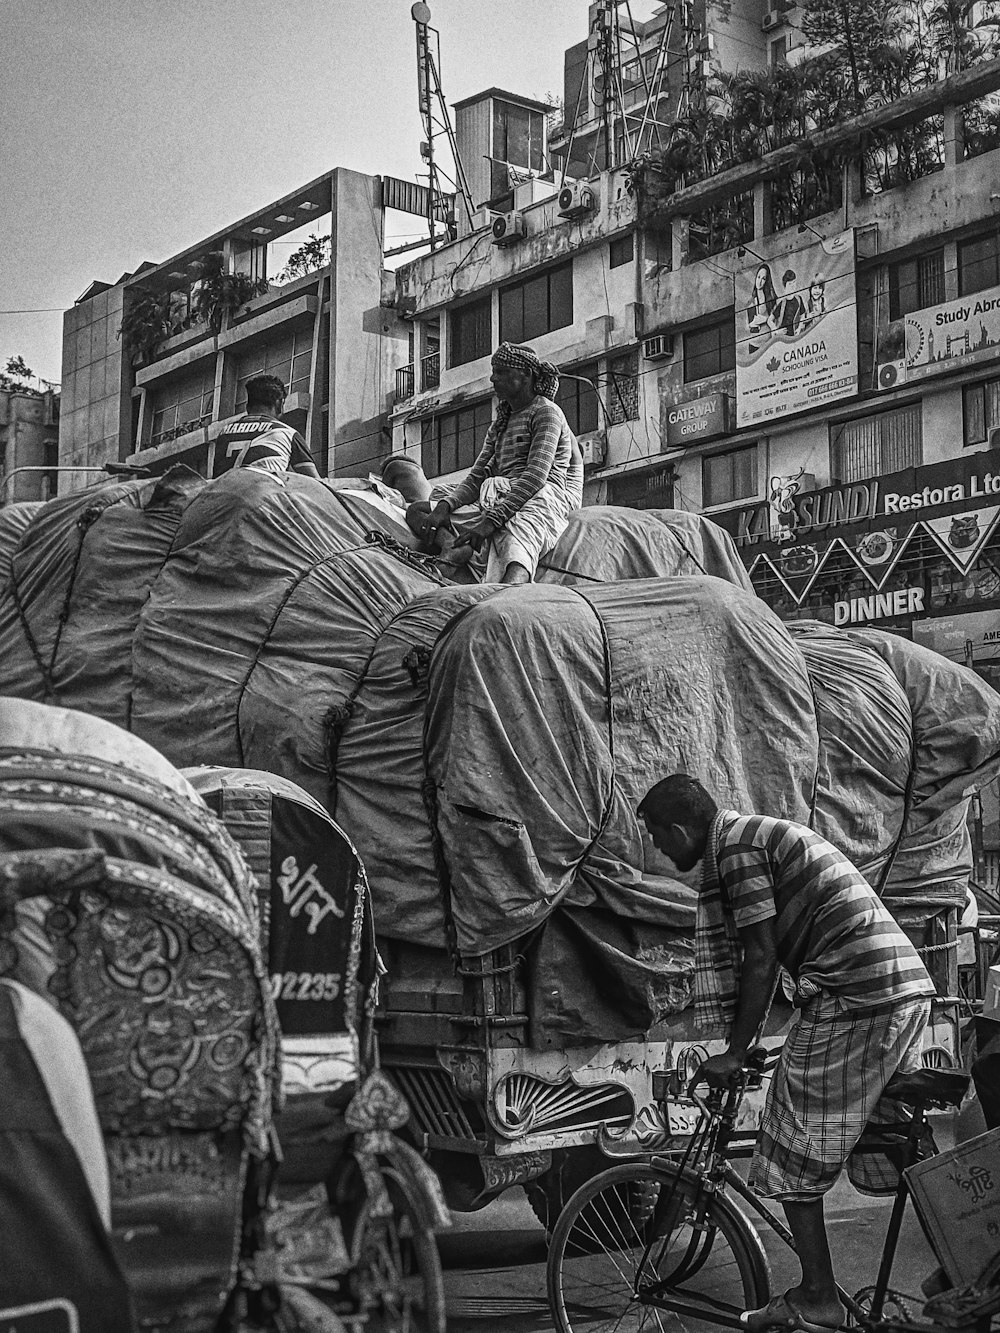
<point>494,1260</point>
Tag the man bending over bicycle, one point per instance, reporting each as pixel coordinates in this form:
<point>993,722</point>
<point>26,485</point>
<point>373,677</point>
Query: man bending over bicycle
<point>774,893</point>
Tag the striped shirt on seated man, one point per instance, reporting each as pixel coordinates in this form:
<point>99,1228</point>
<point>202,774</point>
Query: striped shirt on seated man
<point>527,479</point>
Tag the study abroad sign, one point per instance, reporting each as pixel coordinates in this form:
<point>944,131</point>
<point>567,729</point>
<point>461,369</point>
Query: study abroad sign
<point>698,419</point>
<point>966,330</point>
<point>796,331</point>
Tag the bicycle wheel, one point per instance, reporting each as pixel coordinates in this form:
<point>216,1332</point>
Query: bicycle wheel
<point>604,1261</point>
<point>399,1273</point>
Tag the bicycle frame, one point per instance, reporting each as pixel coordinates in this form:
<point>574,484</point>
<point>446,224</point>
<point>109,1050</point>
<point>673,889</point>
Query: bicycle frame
<point>707,1157</point>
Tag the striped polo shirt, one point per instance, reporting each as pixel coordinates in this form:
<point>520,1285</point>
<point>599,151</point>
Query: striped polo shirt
<point>833,933</point>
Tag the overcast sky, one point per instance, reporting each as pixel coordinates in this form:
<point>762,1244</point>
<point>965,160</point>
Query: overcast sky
<point>129,129</point>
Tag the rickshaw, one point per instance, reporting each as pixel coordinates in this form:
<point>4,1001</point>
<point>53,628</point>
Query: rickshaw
<point>124,900</point>
<point>374,1252</point>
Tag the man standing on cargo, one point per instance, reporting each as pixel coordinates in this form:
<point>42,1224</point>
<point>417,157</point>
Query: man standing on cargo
<point>528,478</point>
<point>260,439</point>
<point>774,893</point>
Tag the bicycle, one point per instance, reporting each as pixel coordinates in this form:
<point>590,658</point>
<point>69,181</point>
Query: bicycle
<point>662,1241</point>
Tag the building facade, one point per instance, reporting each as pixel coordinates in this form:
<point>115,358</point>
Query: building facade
<point>199,325</point>
<point>29,444</point>
<point>829,391</point>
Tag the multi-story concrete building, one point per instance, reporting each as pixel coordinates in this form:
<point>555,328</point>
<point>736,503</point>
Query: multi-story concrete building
<point>29,444</point>
<point>801,384</point>
<point>225,309</point>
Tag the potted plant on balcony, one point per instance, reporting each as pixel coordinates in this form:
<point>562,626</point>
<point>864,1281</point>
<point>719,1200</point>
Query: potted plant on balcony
<point>219,292</point>
<point>147,320</point>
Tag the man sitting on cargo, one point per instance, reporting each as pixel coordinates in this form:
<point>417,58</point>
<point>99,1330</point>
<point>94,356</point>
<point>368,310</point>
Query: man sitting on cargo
<point>260,439</point>
<point>774,893</point>
<point>528,478</point>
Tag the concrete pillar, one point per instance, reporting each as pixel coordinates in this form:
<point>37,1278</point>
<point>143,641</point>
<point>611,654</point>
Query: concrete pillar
<point>762,223</point>
<point>954,136</point>
<point>680,241</point>
<point>853,183</point>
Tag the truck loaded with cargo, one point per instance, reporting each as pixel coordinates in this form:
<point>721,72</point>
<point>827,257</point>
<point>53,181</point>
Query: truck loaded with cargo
<point>485,749</point>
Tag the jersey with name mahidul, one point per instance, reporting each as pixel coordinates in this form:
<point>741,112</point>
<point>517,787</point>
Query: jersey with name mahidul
<point>260,441</point>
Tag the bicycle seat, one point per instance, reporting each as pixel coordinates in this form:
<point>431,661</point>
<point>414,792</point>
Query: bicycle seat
<point>936,1087</point>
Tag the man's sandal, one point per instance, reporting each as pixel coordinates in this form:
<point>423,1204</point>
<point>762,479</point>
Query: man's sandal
<point>782,1314</point>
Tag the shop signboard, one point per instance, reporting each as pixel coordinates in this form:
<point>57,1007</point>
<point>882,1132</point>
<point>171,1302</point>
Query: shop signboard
<point>796,331</point>
<point>965,331</point>
<point>697,420</point>
<point>863,530</point>
<point>932,493</point>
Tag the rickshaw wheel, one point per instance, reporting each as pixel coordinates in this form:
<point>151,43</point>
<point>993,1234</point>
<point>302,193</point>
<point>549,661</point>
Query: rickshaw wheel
<point>399,1270</point>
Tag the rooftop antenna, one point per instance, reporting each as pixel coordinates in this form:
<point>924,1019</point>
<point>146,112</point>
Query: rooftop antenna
<point>434,112</point>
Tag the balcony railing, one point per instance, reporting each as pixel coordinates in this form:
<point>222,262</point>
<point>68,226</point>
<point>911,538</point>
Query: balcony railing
<point>430,370</point>
<point>404,383</point>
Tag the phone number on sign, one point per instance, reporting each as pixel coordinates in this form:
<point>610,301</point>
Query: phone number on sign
<point>305,985</point>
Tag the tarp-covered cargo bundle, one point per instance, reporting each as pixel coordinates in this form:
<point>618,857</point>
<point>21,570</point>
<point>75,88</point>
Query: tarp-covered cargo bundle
<point>14,519</point>
<point>608,543</point>
<point>80,576</point>
<point>378,763</point>
<point>550,712</point>
<point>931,727</point>
<point>262,620</point>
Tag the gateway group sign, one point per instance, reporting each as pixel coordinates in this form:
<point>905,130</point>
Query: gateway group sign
<point>796,331</point>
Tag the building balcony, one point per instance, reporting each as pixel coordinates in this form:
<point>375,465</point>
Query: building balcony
<point>430,371</point>
<point>404,383</point>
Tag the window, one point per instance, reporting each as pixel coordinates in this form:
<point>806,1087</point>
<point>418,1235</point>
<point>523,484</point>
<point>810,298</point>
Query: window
<point>872,446</point>
<point>453,439</point>
<point>643,490</point>
<point>779,52</point>
<point>979,264</point>
<point>578,400</point>
<point>622,250</point>
<point>980,410</point>
<point>470,331</point>
<point>288,358</point>
<point>517,135</point>
<point>916,283</point>
<point>542,303</point>
<point>622,395</point>
<point>710,350</point>
<point>728,477</point>
<point>182,405</point>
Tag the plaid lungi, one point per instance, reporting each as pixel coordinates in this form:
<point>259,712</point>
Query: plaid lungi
<point>528,534</point>
<point>826,1087</point>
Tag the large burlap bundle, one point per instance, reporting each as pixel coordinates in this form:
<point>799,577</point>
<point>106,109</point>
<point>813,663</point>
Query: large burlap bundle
<point>80,575</point>
<point>261,622</point>
<point>14,519</point>
<point>608,543</point>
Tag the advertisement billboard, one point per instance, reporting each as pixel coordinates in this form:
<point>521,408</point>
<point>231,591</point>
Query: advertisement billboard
<point>966,330</point>
<point>796,331</point>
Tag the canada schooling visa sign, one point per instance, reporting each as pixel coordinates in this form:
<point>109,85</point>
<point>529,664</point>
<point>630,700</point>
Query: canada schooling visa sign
<point>796,331</point>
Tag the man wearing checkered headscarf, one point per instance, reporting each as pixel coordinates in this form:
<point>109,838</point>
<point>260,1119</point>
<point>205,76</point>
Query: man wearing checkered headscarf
<point>528,478</point>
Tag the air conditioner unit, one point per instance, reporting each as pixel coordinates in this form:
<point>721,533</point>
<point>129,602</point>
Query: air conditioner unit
<point>482,217</point>
<point>576,200</point>
<point>508,228</point>
<point>770,20</point>
<point>593,447</point>
<point>993,439</point>
<point>890,374</point>
<point>659,348</point>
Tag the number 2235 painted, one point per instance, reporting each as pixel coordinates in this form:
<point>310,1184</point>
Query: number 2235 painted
<point>305,985</point>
